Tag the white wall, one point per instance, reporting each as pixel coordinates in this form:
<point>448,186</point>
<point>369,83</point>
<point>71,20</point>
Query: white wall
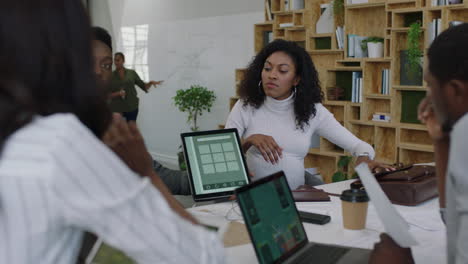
<point>190,42</point>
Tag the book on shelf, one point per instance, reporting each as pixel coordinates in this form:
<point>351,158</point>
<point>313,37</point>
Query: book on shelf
<point>380,120</point>
<point>455,23</point>
<point>267,37</point>
<point>268,10</point>
<point>285,25</point>
<point>351,43</point>
<point>358,52</point>
<point>339,37</point>
<point>382,117</point>
<point>325,23</point>
<point>385,84</point>
<point>286,5</point>
<point>356,90</point>
<point>434,29</point>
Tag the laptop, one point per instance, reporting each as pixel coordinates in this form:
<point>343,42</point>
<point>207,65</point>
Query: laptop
<point>215,163</point>
<point>276,231</point>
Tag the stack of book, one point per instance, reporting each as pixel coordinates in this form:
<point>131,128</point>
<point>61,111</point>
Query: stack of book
<point>434,28</point>
<point>340,37</point>
<point>267,37</point>
<point>385,88</point>
<point>381,117</point>
<point>356,91</point>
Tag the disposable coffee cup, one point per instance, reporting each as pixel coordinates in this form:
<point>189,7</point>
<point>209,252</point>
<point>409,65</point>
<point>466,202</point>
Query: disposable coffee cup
<point>354,204</point>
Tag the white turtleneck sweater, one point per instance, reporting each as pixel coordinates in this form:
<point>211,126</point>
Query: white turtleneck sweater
<point>276,118</point>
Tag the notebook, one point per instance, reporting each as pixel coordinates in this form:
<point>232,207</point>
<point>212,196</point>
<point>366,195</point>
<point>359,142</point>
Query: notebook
<point>215,163</point>
<point>276,230</point>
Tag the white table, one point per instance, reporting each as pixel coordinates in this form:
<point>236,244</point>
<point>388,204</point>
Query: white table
<point>424,221</point>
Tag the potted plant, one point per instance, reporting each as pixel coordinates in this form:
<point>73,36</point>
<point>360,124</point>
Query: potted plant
<point>195,100</point>
<point>411,59</point>
<point>374,46</point>
<point>343,170</point>
<point>338,12</point>
<point>414,52</point>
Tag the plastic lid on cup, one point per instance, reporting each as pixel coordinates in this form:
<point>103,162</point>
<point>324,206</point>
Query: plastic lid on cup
<point>354,195</point>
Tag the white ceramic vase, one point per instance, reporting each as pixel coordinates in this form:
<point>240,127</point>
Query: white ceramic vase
<point>375,49</point>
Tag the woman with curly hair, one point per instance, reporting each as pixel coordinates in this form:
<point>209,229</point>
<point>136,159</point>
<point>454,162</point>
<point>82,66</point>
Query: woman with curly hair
<point>279,111</point>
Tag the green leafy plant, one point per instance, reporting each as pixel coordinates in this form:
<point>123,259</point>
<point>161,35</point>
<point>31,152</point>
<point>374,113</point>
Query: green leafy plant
<point>338,12</point>
<point>194,101</point>
<point>343,167</point>
<point>372,40</point>
<point>414,52</point>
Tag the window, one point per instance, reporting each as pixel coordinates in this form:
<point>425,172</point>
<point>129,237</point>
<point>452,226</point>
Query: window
<point>135,48</point>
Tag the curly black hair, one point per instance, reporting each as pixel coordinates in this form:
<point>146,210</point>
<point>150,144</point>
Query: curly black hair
<point>447,55</point>
<point>308,91</point>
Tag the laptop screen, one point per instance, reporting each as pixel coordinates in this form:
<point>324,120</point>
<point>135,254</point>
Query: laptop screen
<point>271,217</point>
<point>215,162</point>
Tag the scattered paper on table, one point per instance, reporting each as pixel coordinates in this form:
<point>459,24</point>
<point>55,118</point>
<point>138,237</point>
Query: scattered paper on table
<point>396,227</point>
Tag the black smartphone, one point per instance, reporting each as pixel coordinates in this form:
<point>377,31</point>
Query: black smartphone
<point>313,218</point>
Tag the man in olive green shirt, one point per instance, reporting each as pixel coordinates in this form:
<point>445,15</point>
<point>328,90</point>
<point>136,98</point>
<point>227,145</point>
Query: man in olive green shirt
<point>123,97</point>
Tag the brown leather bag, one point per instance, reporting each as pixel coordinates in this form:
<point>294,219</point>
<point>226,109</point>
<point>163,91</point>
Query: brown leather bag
<point>408,185</point>
<point>306,193</point>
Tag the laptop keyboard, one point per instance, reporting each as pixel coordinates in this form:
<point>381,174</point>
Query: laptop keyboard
<point>322,254</point>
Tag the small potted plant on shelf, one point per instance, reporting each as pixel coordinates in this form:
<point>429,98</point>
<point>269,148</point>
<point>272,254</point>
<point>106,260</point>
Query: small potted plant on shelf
<point>338,12</point>
<point>195,101</point>
<point>343,170</point>
<point>411,59</point>
<point>374,46</point>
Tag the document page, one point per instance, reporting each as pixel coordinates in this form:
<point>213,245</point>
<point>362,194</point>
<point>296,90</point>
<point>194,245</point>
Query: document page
<point>394,224</point>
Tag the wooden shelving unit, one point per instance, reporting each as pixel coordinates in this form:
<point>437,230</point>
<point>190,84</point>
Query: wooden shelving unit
<point>394,141</point>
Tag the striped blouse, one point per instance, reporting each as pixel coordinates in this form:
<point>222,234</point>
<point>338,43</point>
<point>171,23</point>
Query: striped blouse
<point>58,180</point>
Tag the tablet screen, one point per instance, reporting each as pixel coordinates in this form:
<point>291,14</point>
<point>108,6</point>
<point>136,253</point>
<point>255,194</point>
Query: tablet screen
<point>215,162</point>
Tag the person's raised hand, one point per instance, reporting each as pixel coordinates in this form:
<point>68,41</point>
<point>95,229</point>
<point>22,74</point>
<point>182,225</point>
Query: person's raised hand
<point>387,251</point>
<point>126,141</point>
<point>427,116</point>
<point>267,146</point>
<point>156,83</point>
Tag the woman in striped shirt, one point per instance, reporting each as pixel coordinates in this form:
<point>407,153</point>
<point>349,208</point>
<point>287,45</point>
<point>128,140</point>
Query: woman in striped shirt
<point>57,179</point>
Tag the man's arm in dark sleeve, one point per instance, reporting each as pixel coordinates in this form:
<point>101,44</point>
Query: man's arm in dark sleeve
<point>176,181</point>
